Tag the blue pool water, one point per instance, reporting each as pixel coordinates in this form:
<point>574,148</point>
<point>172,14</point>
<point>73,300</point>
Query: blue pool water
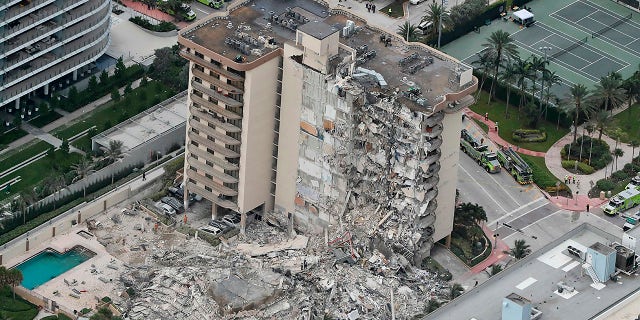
<point>49,264</point>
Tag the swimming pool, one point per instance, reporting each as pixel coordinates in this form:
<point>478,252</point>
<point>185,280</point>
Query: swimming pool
<point>49,264</point>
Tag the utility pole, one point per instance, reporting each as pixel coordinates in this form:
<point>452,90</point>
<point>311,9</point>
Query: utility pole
<point>444,4</point>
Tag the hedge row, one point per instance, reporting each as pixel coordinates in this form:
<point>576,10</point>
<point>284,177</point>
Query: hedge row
<point>582,167</point>
<point>164,26</point>
<point>529,135</point>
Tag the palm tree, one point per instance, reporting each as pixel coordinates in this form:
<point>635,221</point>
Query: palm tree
<point>591,128</point>
<point>523,72</point>
<point>551,78</point>
<point>25,199</point>
<point>14,278</point>
<point>520,249</point>
<point>456,291</point>
<point>113,153</point>
<point>495,269</point>
<point>508,76</point>
<point>501,49</point>
<point>609,93</point>
<point>634,144</point>
<point>537,65</point>
<point>433,14</point>
<point>617,152</point>
<point>483,64</point>
<point>578,94</point>
<point>632,90</point>
<point>600,120</point>
<point>54,184</point>
<point>408,31</point>
<point>82,170</point>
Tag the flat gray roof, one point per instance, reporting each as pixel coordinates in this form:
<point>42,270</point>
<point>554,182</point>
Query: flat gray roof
<point>317,29</point>
<point>536,277</point>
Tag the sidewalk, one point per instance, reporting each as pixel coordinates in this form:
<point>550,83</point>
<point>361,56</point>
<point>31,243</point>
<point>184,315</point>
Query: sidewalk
<point>495,137</point>
<point>153,13</point>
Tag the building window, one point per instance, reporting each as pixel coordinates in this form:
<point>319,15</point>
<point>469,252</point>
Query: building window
<point>199,55</point>
<point>208,189</point>
<point>194,156</point>
<point>208,176</point>
<point>194,130</point>
<point>196,118</point>
<point>195,143</point>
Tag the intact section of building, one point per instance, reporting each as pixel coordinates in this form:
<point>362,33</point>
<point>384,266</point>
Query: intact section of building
<point>44,40</point>
<point>310,113</point>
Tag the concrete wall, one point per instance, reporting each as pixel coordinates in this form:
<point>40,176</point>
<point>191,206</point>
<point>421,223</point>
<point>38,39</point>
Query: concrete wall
<point>258,122</point>
<point>62,224</point>
<point>288,146</point>
<point>452,124</point>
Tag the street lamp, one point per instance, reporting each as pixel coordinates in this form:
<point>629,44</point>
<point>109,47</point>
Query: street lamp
<point>444,4</point>
<point>545,50</point>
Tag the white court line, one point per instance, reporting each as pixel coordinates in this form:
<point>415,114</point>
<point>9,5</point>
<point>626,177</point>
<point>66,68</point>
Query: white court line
<point>591,63</point>
<point>610,13</point>
<point>525,227</point>
<point>587,16</point>
<point>590,32</point>
<point>508,214</point>
<point>570,4</point>
<point>561,63</point>
<point>483,189</point>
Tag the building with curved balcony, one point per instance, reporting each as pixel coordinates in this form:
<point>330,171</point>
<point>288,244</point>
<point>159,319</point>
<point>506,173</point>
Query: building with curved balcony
<point>42,41</point>
<point>312,114</point>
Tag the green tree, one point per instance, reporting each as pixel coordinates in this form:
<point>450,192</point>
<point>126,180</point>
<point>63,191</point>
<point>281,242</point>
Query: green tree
<point>483,64</point>
<point>115,95</point>
<point>408,31</point>
<point>120,70</point>
<point>578,95</point>
<point>522,73</point>
<point>600,120</point>
<point>127,89</point>
<point>609,92</point>
<point>617,152</point>
<point>634,144</point>
<point>82,170</point>
<point>144,81</point>
<point>520,249</point>
<point>632,90</point>
<point>74,96</point>
<point>113,153</point>
<point>455,291</point>
<point>25,199</point>
<point>14,278</point>
<point>434,12</point>
<point>495,269</point>
<point>551,78</point>
<point>501,49</point>
<point>65,146</point>
<point>93,85</point>
<point>508,76</point>
<point>538,68</point>
<point>104,78</point>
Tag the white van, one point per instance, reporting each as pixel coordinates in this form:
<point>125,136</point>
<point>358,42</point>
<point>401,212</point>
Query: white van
<point>425,27</point>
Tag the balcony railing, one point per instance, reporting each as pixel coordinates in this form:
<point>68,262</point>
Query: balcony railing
<point>192,187</point>
<point>225,152</point>
<point>212,171</point>
<point>216,187</point>
<point>41,48</point>
<point>228,127</point>
<point>216,82</point>
<point>223,72</point>
<point>216,95</point>
<point>213,133</point>
<point>214,107</point>
<point>226,165</point>
<point>49,28</point>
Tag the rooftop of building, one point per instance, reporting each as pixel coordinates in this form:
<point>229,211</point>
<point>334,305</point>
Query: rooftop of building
<point>260,27</point>
<point>536,278</point>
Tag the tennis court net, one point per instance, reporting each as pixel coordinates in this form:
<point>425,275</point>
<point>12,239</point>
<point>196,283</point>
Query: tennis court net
<point>569,48</point>
<point>611,26</point>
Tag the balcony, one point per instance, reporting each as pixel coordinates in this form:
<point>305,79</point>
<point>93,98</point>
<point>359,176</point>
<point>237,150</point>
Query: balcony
<point>200,166</point>
<point>216,82</point>
<point>433,120</point>
<point>223,72</point>
<point>216,95</point>
<point>433,132</point>
<point>214,107</point>
<point>192,187</point>
<point>41,48</point>
<point>227,153</point>
<point>46,30</point>
<point>213,133</point>
<point>54,71</point>
<point>226,165</point>
<point>433,144</point>
<point>228,127</point>
<point>216,187</point>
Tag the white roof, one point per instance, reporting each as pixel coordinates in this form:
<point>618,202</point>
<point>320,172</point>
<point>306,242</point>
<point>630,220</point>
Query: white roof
<point>523,14</point>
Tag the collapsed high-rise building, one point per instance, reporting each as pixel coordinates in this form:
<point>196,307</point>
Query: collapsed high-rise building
<point>308,112</point>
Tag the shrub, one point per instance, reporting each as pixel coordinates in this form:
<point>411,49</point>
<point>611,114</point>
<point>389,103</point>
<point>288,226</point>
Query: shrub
<point>582,167</point>
<point>632,169</point>
<point>164,26</point>
<point>619,175</point>
<point>600,154</point>
<point>529,135</point>
<point>605,184</point>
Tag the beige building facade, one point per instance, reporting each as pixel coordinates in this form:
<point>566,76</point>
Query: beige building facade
<point>326,122</point>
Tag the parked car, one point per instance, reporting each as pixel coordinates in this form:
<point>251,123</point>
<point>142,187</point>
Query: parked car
<point>166,209</point>
<point>178,192</point>
<point>220,225</point>
<point>232,220</point>
<point>211,230</point>
<point>173,202</point>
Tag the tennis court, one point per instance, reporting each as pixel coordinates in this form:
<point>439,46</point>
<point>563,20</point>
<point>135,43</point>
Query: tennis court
<point>602,23</point>
<point>574,54</point>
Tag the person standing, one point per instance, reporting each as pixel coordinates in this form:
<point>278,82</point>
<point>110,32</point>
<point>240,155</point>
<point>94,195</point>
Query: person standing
<point>496,126</point>
<point>486,116</point>
<point>587,207</point>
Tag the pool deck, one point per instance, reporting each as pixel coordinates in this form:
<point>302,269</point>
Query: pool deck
<point>86,275</point>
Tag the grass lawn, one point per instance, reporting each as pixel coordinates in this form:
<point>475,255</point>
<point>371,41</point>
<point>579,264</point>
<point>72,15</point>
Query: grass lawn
<point>507,126</point>
<point>541,175</point>
<point>45,118</point>
<point>461,247</point>
<point>112,113</point>
<point>15,157</point>
<point>627,120</point>
<point>83,143</point>
<point>482,125</point>
<point>18,309</point>
<point>34,173</point>
<point>397,9</point>
<point>11,136</point>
